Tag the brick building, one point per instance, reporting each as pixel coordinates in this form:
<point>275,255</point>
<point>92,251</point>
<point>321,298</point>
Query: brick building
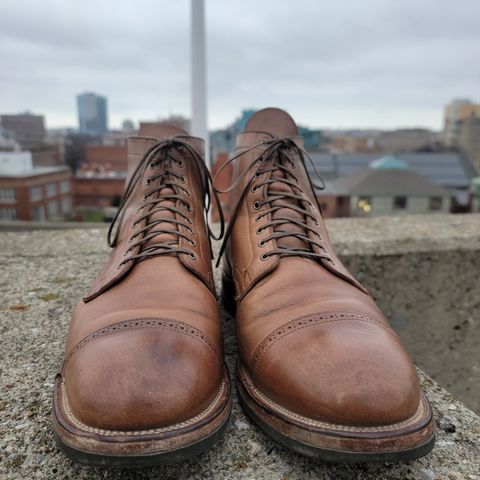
<point>28,193</point>
<point>100,190</point>
<point>101,179</point>
<point>106,158</point>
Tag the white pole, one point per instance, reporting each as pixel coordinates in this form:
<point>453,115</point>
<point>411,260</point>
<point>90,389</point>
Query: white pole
<point>199,75</point>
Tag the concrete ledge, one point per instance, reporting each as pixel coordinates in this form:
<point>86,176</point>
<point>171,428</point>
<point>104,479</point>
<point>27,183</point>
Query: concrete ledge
<point>45,272</point>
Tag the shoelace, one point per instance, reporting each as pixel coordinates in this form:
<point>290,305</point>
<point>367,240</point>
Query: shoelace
<point>295,200</point>
<point>159,158</point>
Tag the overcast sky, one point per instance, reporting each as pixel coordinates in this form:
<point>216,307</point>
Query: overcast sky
<point>336,63</point>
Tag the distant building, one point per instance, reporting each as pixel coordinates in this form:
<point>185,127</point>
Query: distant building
<point>469,138</point>
<point>355,144</point>
<point>178,121</point>
<point>27,129</point>
<point>100,181</point>
<point>28,193</point>
<point>75,145</point>
<point>98,189</point>
<point>127,126</point>
<point>104,158</point>
<point>389,187</point>
<point>455,113</point>
<point>449,170</point>
<point>92,114</point>
<point>407,140</point>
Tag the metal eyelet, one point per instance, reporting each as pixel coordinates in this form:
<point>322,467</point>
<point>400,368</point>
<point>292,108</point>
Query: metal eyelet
<point>180,163</point>
<point>260,230</point>
<point>254,189</point>
<point>256,205</point>
<point>188,207</point>
<point>264,257</point>
<point>192,255</point>
<point>192,243</point>
<point>262,243</point>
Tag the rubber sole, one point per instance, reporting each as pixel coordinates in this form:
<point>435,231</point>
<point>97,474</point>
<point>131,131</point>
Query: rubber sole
<point>339,447</point>
<point>132,449</point>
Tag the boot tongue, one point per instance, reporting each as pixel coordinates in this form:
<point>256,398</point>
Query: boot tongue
<point>277,188</point>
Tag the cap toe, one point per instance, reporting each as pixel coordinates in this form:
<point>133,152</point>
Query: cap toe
<point>350,372</point>
<point>142,379</point>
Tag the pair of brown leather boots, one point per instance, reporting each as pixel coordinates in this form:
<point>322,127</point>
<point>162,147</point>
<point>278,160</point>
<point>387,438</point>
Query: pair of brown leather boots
<point>320,370</point>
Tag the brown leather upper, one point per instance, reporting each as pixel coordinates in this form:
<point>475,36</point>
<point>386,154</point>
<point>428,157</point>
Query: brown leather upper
<point>311,338</point>
<point>144,347</point>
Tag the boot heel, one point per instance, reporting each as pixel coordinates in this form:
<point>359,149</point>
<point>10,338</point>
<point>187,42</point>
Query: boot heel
<point>228,295</point>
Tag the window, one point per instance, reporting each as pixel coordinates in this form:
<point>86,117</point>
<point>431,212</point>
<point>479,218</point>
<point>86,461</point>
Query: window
<point>365,204</point>
<point>66,205</point>
<point>65,186</point>
<point>399,203</point>
<point>7,195</point>
<point>38,213</point>
<point>36,193</point>
<point>436,203</point>
<point>8,213</point>
<point>51,189</point>
<point>52,208</point>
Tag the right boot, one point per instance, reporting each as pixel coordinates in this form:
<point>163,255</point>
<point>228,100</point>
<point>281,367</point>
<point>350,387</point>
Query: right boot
<point>143,381</point>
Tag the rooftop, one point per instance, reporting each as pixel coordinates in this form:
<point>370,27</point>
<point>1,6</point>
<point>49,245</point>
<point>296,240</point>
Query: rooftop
<point>389,182</point>
<point>446,169</point>
<point>36,172</point>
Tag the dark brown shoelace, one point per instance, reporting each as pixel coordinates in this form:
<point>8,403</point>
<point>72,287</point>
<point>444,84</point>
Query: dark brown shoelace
<point>161,203</point>
<point>275,160</point>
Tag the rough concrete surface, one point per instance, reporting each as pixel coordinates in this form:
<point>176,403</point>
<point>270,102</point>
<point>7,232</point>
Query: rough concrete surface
<point>424,273</point>
<point>43,275</point>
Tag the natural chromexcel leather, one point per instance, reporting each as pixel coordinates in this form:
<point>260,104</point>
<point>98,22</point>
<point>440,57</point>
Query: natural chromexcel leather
<point>144,349</point>
<point>311,338</point>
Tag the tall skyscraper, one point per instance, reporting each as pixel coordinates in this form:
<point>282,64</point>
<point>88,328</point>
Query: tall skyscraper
<point>92,113</point>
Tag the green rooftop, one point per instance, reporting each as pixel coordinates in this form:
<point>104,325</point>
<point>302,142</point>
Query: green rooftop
<point>388,162</point>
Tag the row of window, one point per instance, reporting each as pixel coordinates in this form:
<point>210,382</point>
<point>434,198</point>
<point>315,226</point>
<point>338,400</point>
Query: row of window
<point>8,213</point>
<point>53,189</point>
<point>53,209</point>
<point>38,211</point>
<point>8,195</point>
<point>399,203</point>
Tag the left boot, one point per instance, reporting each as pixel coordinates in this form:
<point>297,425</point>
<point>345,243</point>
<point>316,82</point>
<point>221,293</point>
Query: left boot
<point>143,380</point>
<point>320,368</point>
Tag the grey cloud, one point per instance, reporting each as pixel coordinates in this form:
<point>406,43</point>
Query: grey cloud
<point>349,63</point>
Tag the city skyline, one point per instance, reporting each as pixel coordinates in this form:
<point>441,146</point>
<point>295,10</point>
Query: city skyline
<point>347,66</point>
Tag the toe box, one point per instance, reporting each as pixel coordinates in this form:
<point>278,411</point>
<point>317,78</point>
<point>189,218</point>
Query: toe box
<point>351,372</point>
<point>142,378</point>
